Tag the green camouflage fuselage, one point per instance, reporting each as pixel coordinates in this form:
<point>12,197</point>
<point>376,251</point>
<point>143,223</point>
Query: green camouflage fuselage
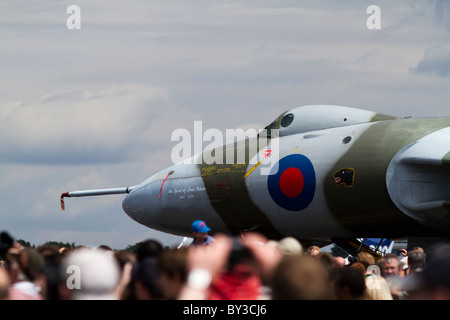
<point>327,181</point>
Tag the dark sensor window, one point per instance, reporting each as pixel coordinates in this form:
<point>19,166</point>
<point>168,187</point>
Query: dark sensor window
<point>287,120</point>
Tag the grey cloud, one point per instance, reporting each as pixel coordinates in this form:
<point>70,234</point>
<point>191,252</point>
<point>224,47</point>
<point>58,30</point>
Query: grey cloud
<point>436,61</point>
<point>81,126</point>
<point>442,11</point>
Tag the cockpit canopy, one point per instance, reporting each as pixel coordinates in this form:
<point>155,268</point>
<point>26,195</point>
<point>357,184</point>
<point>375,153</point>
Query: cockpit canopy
<point>319,117</point>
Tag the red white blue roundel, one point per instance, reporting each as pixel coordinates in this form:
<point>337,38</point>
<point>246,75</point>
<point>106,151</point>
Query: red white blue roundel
<point>293,185</point>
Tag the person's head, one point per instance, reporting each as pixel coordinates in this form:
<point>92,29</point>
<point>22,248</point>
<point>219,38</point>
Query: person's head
<point>366,259</point>
<point>199,229</point>
<point>4,284</point>
<point>359,266</point>
<point>27,264</point>
<point>416,260</point>
<point>313,251</point>
<point>146,280</point>
<point>390,265</point>
<point>172,267</point>
<point>433,283</point>
<point>349,284</point>
<point>31,264</point>
<point>326,259</point>
<point>339,262</point>
<point>290,245</point>
<point>377,288</point>
<point>148,248</point>
<point>52,258</point>
<point>300,277</point>
<point>92,274</point>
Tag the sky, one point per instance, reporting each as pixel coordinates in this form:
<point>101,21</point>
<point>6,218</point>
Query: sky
<point>95,107</point>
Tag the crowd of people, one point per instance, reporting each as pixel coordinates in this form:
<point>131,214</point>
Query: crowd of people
<point>248,267</point>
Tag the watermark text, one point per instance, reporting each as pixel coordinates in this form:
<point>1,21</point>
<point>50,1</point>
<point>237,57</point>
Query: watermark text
<point>236,146</point>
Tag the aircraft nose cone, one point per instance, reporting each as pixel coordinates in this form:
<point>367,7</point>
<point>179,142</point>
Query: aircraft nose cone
<point>129,204</point>
<point>140,204</point>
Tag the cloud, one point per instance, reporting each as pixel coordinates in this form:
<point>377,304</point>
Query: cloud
<point>436,60</point>
<point>81,126</point>
<point>442,11</point>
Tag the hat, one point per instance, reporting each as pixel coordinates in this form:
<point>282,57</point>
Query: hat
<point>199,226</point>
<point>94,274</point>
<point>290,245</point>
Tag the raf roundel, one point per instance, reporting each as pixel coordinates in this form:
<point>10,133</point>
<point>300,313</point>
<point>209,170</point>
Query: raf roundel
<point>292,182</point>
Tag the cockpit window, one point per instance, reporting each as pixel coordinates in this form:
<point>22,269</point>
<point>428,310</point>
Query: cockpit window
<point>287,120</point>
<point>267,130</point>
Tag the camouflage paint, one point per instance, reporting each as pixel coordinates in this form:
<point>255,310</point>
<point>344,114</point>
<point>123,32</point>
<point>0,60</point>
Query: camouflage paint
<point>446,159</point>
<point>227,191</point>
<point>367,205</point>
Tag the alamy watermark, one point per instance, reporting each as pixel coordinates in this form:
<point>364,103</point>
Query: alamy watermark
<point>73,22</point>
<point>236,146</point>
<point>74,279</point>
<point>373,22</point>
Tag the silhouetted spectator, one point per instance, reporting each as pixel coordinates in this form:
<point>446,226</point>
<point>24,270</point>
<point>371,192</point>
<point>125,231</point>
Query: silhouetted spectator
<point>146,280</point>
<point>172,267</point>
<point>28,280</point>
<point>300,278</point>
<point>433,283</point>
<point>148,248</point>
<point>349,284</point>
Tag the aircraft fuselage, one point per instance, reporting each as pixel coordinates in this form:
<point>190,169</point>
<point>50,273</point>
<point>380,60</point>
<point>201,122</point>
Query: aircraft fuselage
<point>361,179</point>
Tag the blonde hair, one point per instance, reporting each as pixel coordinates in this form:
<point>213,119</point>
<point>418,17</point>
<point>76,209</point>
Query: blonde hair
<point>377,288</point>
